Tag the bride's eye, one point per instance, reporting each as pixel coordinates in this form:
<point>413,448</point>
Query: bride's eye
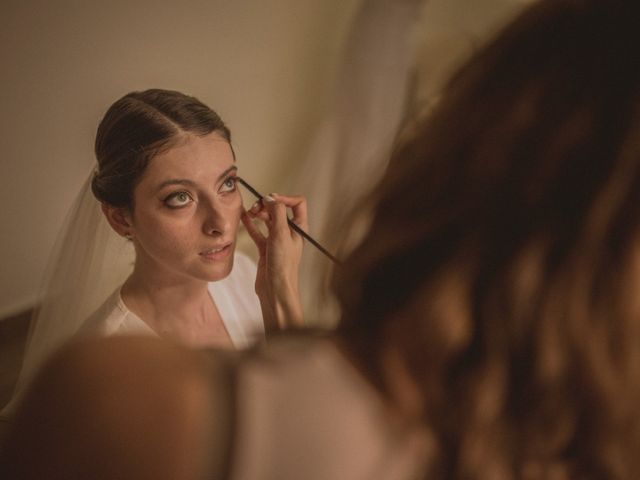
<point>178,200</point>
<point>229,185</point>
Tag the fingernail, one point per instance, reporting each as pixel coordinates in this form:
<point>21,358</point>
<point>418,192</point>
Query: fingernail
<point>268,198</point>
<point>255,207</point>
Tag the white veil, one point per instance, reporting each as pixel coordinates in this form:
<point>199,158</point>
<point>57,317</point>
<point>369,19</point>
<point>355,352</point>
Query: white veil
<point>88,262</point>
<point>353,144</point>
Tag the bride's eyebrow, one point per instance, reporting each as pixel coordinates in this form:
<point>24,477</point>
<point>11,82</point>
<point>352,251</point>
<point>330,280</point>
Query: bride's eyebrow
<point>176,181</point>
<point>232,168</point>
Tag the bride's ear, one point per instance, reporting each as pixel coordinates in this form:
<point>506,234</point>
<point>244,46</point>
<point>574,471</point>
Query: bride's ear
<point>119,218</point>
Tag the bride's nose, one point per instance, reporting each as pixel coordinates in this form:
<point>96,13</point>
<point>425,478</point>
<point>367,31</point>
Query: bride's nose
<point>216,218</point>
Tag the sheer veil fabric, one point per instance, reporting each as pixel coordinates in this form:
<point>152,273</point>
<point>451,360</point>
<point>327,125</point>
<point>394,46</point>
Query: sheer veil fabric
<point>350,149</point>
<point>88,262</point>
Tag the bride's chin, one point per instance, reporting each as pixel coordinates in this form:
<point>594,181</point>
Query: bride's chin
<point>217,274</point>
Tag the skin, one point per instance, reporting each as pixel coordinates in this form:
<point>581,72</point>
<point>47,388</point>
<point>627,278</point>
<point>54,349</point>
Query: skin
<point>74,425</point>
<point>279,263</point>
<point>187,204</point>
<point>183,226</point>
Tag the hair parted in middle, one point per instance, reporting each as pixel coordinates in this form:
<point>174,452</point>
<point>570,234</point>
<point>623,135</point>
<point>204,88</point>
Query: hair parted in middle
<point>137,127</point>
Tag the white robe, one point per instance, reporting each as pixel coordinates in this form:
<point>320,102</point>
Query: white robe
<point>234,297</point>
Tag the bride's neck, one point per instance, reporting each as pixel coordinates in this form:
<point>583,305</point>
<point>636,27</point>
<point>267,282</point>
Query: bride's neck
<point>176,307</point>
<point>165,296</point>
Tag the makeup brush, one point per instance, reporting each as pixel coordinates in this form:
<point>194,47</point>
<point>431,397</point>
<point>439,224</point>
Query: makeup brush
<point>295,227</point>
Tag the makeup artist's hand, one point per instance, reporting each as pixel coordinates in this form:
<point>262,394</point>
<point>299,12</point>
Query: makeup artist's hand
<point>280,253</point>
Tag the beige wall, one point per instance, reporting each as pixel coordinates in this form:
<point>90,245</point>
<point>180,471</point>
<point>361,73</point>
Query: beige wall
<point>265,65</point>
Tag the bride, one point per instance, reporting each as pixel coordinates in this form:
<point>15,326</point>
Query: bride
<point>166,183</point>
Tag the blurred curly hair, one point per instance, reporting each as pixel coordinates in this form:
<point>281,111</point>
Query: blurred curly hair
<point>503,257</point>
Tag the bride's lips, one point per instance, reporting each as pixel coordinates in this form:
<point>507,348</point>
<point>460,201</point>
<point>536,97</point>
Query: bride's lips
<point>216,253</point>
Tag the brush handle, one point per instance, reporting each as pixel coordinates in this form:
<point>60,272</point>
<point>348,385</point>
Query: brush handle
<point>295,227</point>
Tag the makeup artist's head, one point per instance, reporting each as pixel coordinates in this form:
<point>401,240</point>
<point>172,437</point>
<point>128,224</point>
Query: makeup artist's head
<point>166,179</point>
<point>502,265</point>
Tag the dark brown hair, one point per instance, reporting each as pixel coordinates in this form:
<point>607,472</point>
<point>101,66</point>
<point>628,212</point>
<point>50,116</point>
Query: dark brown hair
<point>139,126</point>
<point>503,258</point>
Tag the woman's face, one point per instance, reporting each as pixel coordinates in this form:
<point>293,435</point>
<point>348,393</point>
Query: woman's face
<point>186,210</point>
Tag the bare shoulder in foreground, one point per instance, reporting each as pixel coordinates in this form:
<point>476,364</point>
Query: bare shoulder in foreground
<point>133,406</point>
